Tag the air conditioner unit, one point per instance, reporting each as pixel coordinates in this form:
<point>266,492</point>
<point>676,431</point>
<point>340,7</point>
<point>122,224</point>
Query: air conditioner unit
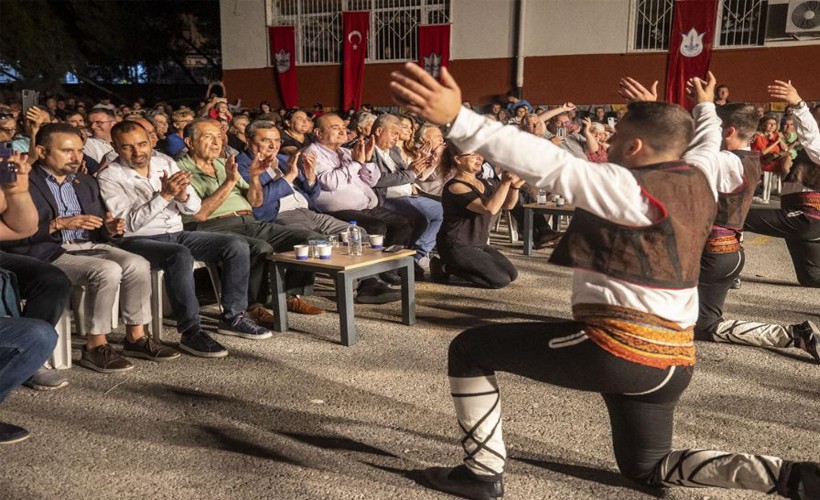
<point>803,16</point>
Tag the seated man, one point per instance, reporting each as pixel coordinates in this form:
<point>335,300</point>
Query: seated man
<point>174,143</point>
<point>635,246</point>
<point>149,192</point>
<point>225,209</point>
<point>74,233</point>
<point>395,188</point>
<point>289,196</point>
<point>25,343</point>
<point>98,146</point>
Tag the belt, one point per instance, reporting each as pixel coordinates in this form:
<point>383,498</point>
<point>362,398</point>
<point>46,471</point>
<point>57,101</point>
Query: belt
<point>723,244</point>
<point>238,213</point>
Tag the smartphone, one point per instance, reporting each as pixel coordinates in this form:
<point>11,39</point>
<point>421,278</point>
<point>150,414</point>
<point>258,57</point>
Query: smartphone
<point>8,170</point>
<point>393,248</point>
<point>30,98</point>
<point>91,252</point>
<point>562,132</point>
<point>611,121</point>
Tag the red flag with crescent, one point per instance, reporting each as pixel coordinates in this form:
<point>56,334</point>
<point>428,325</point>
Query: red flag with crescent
<point>283,55</point>
<point>356,26</point>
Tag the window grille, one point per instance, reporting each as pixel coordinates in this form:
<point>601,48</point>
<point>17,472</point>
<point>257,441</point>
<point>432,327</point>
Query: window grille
<point>742,23</point>
<point>653,23</point>
<point>393,26</point>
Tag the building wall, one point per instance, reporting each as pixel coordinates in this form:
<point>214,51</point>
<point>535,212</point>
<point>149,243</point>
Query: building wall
<point>576,51</point>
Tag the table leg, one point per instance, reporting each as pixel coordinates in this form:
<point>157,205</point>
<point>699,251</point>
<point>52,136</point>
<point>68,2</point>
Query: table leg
<point>528,231</point>
<point>408,292</point>
<point>556,222</point>
<point>344,302</point>
<point>280,300</point>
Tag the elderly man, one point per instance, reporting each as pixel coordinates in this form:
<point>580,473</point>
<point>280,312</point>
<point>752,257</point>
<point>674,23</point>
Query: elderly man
<point>227,207</point>
<point>563,132</point>
<point>290,194</point>
<point>395,188</point>
<point>26,342</point>
<point>149,193</point>
<point>75,235</point>
<point>98,146</point>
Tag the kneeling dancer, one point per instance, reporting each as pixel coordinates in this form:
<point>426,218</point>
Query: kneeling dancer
<point>635,243</point>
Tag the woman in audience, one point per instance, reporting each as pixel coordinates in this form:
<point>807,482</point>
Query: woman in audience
<point>161,123</point>
<point>769,142</point>
<point>296,134</point>
<point>406,144</point>
<point>469,203</point>
<point>596,136</point>
<point>430,144</point>
<point>236,132</point>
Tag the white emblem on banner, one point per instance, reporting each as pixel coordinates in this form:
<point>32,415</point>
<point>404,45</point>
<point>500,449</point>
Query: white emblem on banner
<point>692,43</point>
<point>351,36</point>
<point>282,61</point>
<point>432,64</point>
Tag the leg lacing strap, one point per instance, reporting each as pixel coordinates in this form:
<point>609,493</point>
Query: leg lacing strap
<point>469,434</point>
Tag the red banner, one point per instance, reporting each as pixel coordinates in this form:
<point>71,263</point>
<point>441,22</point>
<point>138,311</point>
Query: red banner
<point>434,48</point>
<point>283,54</point>
<point>690,46</point>
<point>356,25</point>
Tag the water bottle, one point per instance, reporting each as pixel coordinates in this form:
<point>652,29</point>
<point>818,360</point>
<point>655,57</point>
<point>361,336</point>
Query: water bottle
<point>541,198</point>
<point>354,239</point>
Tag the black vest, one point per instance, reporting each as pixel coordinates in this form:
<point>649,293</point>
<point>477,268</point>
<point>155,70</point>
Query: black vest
<point>664,254</point>
<point>734,207</point>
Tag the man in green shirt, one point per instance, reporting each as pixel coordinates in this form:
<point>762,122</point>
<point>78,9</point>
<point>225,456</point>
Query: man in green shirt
<point>227,206</point>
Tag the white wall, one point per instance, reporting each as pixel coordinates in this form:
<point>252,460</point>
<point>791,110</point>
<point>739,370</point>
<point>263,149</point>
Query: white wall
<point>482,29</point>
<point>561,27</point>
<point>244,34</point>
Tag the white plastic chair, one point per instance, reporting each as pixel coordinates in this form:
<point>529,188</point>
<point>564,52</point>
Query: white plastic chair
<point>61,357</point>
<point>159,300</point>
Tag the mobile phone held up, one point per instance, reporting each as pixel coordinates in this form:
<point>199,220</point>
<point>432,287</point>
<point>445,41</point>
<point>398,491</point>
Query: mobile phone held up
<point>30,98</point>
<point>562,132</point>
<point>8,170</point>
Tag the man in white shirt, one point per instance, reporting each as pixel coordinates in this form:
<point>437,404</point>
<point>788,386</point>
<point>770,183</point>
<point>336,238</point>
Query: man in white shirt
<point>100,120</point>
<point>150,192</point>
<point>635,245</point>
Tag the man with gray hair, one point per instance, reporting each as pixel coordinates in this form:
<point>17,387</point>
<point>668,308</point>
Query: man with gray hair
<point>362,124</point>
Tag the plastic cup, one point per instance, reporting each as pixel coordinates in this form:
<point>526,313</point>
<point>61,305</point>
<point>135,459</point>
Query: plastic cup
<point>376,241</point>
<point>333,240</point>
<point>343,237</point>
<point>301,252</point>
<point>324,250</point>
<point>559,201</point>
<point>312,244</point>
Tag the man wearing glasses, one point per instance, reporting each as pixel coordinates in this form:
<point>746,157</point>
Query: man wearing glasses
<point>100,120</point>
<point>563,132</point>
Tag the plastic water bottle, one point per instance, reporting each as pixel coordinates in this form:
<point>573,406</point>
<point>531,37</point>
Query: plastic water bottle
<point>541,197</point>
<point>354,239</point>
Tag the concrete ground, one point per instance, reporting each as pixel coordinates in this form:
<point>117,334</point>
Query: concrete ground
<point>300,416</point>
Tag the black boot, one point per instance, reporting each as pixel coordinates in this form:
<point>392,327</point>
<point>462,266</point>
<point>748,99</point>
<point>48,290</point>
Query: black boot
<point>461,481</point>
<point>799,480</point>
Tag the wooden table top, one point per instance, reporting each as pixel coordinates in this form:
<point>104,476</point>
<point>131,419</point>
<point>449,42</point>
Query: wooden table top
<point>550,205</point>
<point>341,261</point>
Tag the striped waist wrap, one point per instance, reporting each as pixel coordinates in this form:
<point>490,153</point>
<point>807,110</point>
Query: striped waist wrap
<point>636,336</point>
<point>722,240</point>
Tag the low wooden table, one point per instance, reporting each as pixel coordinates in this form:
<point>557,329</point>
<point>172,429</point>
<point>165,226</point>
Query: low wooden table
<point>345,269</point>
<point>548,208</point>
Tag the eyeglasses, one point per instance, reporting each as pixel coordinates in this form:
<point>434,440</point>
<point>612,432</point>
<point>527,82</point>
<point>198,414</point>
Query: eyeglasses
<point>8,130</point>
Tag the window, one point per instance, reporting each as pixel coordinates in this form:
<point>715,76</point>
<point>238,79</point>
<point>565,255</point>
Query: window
<point>653,23</point>
<point>393,26</point>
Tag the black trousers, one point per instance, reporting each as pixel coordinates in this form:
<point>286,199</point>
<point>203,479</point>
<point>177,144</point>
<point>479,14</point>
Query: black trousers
<point>264,238</point>
<point>717,272</point>
<point>485,266</point>
<point>802,235</point>
<point>552,353</point>
<point>44,287</point>
<point>396,228</point>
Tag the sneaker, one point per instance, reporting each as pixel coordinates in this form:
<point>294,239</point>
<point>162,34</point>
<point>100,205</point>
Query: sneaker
<point>201,344</point>
<point>46,380</point>
<point>462,482</point>
<point>807,337</point>
<point>301,306</point>
<point>240,326</point>
<point>147,348</point>
<point>736,283</point>
<point>437,272</point>
<point>547,240</point>
<point>262,316</point>
<point>391,277</point>
<point>799,480</point>
<point>10,434</point>
<point>104,359</point>
<point>376,292</point>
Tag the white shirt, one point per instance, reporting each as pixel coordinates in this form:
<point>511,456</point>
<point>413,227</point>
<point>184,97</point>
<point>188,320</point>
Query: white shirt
<point>136,199</point>
<point>604,189</point>
<point>97,149</point>
<point>394,191</point>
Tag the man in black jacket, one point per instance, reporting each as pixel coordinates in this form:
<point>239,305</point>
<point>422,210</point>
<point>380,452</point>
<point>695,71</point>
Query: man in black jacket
<point>74,234</point>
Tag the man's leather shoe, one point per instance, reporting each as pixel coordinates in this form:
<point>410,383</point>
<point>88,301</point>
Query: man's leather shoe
<point>807,337</point>
<point>462,482</point>
<point>299,306</point>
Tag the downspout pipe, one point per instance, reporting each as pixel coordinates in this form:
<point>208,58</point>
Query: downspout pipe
<point>519,53</point>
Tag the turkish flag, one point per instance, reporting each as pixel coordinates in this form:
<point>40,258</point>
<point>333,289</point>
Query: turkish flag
<point>356,25</point>
<point>434,47</point>
<point>690,46</point>
<point>283,54</point>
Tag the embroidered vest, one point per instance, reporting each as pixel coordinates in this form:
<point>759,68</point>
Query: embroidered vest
<point>807,173</point>
<point>664,254</point>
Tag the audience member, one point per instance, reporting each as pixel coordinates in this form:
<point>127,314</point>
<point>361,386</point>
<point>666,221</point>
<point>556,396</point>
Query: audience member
<point>174,143</point>
<point>296,134</point>
<point>100,120</point>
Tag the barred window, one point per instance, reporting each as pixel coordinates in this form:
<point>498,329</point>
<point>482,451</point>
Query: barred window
<point>393,23</point>
<point>742,23</point>
<point>652,24</point>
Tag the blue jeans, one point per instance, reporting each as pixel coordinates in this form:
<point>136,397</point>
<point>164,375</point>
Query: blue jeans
<point>175,254</point>
<point>25,344</point>
<point>427,215</point>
